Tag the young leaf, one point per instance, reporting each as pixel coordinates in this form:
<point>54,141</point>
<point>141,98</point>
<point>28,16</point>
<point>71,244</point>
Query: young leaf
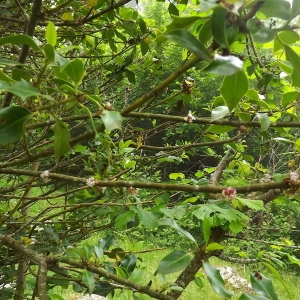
<point>188,41</point>
<point>181,231</point>
<point>75,70</point>
<point>252,204</point>
<point>12,121</point>
<point>20,39</point>
<point>219,112</point>
<point>264,121</point>
<point>206,229</point>
<point>233,88</point>
<point>61,139</point>
<point>224,65</point>
<point>236,226</point>
<point>89,280</point>
<point>175,261</point>
<point>216,281</point>
<point>147,218</point>
<point>112,120</point>
<point>51,35</point>
<point>213,247</point>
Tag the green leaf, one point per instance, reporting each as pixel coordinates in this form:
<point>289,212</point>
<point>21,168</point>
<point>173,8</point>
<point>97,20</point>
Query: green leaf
<point>264,121</point>
<point>216,281</point>
<point>295,8</point>
<point>181,231</point>
<point>12,121</point>
<point>49,52</point>
<point>130,75</point>
<point>276,8</point>
<point>188,41</point>
<point>263,286</point>
<point>219,112</point>
<point>61,138</point>
<point>107,242</point>
<point>173,9</point>
<point>252,297</point>
<point>199,282</point>
<point>20,39</point>
<point>289,97</point>
<point>182,22</point>
<point>233,88</point>
<point>294,58</point>
<point>51,35</point>
<point>20,88</point>
<point>89,280</point>
<point>224,28</point>
<point>260,34</point>
<point>224,65</point>
<point>175,261</point>
<point>286,37</point>
<point>112,120</point>
<point>147,218</point>
<point>128,262</point>
<point>219,128</point>
<point>236,226</point>
<point>213,247</point>
<point>5,78</point>
<point>206,229</point>
<point>75,70</point>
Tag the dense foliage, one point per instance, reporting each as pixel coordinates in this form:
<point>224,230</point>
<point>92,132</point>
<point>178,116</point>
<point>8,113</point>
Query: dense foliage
<point>176,121</point>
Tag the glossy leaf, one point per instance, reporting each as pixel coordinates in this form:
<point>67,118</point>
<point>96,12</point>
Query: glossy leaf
<point>89,280</point>
<point>224,27</point>
<point>181,231</point>
<point>216,281</point>
<point>107,242</point>
<point>294,58</point>
<point>188,41</point>
<point>75,70</point>
<point>20,88</point>
<point>20,39</point>
<point>295,8</point>
<point>224,65</point>
<point>61,138</point>
<point>128,262</point>
<point>174,262</point>
<point>264,121</point>
<point>233,88</point>
<point>260,33</point>
<point>182,22</point>
<point>112,120</point>
<point>278,8</point>
<point>263,286</point>
<point>12,123</point>
<point>51,35</point>
<point>219,112</point>
<point>206,229</point>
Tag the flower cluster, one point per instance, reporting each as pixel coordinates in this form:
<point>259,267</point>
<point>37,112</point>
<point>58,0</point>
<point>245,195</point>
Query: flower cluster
<point>189,118</point>
<point>45,174</point>
<point>91,181</point>
<point>229,193</point>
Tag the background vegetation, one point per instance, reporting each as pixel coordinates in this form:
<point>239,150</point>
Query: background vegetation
<point>142,143</point>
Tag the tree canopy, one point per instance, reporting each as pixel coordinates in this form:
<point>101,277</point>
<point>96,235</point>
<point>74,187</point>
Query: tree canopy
<point>120,116</point>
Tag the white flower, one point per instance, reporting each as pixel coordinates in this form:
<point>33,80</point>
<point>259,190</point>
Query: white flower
<point>45,174</point>
<point>91,181</point>
<point>261,97</point>
<point>189,118</point>
<point>294,176</point>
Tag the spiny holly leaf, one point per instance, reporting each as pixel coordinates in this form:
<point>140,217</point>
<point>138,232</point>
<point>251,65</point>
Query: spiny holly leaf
<point>185,39</point>
<point>61,138</point>
<point>128,262</point>
<point>89,280</point>
<point>294,58</point>
<point>234,87</point>
<point>223,27</point>
<point>263,286</point>
<point>20,88</point>
<point>175,261</point>
<point>224,65</point>
<point>216,281</point>
<point>20,39</point>
<point>111,119</point>
<point>12,121</point>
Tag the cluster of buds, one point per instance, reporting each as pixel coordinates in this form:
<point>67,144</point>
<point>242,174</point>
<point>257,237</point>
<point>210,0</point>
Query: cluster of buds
<point>189,118</point>
<point>229,193</point>
<point>132,191</point>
